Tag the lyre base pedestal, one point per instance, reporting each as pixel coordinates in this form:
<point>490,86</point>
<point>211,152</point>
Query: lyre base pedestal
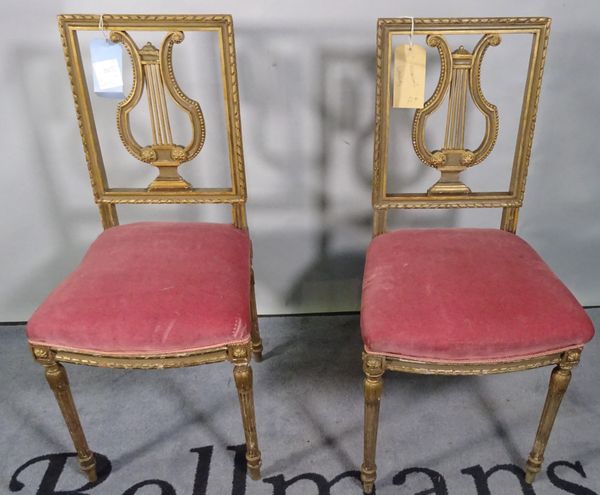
<point>168,179</point>
<point>449,183</point>
<point>448,187</point>
<point>175,184</point>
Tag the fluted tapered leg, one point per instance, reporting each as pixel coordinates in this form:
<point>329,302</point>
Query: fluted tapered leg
<point>559,381</point>
<point>374,367</point>
<point>257,346</point>
<point>58,380</point>
<point>242,373</point>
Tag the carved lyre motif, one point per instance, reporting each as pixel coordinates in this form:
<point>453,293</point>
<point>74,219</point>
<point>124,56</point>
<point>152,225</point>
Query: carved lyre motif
<point>153,70</point>
<point>459,73</point>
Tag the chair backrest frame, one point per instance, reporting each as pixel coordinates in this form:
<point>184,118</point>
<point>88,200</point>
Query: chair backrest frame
<point>493,28</point>
<point>106,197</point>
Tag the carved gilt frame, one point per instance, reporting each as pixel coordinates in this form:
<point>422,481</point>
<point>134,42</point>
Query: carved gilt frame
<point>107,197</point>
<point>455,196</point>
<point>510,201</point>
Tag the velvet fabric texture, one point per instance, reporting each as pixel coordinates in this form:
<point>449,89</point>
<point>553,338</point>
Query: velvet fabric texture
<point>152,288</point>
<point>471,295</point>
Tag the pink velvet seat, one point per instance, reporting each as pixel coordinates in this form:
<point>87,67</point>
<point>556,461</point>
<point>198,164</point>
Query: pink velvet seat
<point>152,288</point>
<point>471,295</point>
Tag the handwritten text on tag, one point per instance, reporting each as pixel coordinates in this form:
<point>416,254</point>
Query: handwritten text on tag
<point>409,76</point>
<point>108,74</point>
<point>107,68</point>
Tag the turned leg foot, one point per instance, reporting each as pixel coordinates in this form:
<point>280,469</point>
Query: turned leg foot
<point>559,381</point>
<point>57,378</point>
<point>242,373</point>
<point>373,384</point>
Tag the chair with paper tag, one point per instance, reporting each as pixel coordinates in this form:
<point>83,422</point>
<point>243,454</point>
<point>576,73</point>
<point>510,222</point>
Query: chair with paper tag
<point>155,295</point>
<point>459,301</point>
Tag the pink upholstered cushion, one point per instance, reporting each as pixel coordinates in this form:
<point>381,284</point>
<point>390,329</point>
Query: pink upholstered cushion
<point>152,288</point>
<point>465,295</point>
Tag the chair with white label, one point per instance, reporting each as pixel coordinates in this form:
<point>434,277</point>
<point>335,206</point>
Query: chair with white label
<point>155,295</point>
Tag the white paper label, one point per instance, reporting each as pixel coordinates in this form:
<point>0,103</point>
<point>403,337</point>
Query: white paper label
<point>107,68</point>
<point>108,74</point>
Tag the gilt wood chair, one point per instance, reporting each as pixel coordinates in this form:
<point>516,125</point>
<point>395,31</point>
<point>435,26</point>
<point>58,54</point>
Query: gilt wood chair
<point>155,295</point>
<point>461,301</point>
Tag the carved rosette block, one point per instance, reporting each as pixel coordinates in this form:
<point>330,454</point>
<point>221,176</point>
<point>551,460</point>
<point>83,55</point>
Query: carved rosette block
<point>570,359</point>
<point>153,72</point>
<point>43,355</point>
<point>459,78</point>
<point>239,354</point>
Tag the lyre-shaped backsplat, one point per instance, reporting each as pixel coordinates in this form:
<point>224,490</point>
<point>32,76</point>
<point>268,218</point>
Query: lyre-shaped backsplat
<point>459,74</point>
<point>153,70</point>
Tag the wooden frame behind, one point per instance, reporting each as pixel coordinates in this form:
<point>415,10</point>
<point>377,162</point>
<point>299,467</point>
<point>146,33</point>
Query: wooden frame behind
<point>510,201</point>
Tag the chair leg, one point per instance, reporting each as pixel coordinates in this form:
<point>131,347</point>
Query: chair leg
<point>559,381</point>
<point>374,367</point>
<point>58,380</point>
<point>257,346</point>
<point>242,373</point>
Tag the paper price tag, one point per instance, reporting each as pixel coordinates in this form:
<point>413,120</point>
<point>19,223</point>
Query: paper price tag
<point>108,74</point>
<point>107,68</point>
<point>409,76</point>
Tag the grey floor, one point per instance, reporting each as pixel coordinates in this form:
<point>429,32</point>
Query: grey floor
<point>176,432</point>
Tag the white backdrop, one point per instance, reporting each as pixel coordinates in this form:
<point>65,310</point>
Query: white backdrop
<point>306,71</point>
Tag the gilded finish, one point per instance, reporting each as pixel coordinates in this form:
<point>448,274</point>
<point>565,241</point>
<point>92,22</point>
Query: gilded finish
<point>559,381</point>
<point>152,69</point>
<point>238,354</point>
<point>459,72</point>
<point>374,367</point>
<point>161,74</point>
<point>242,373</point>
<point>58,380</point>
<point>484,368</point>
<point>139,361</point>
